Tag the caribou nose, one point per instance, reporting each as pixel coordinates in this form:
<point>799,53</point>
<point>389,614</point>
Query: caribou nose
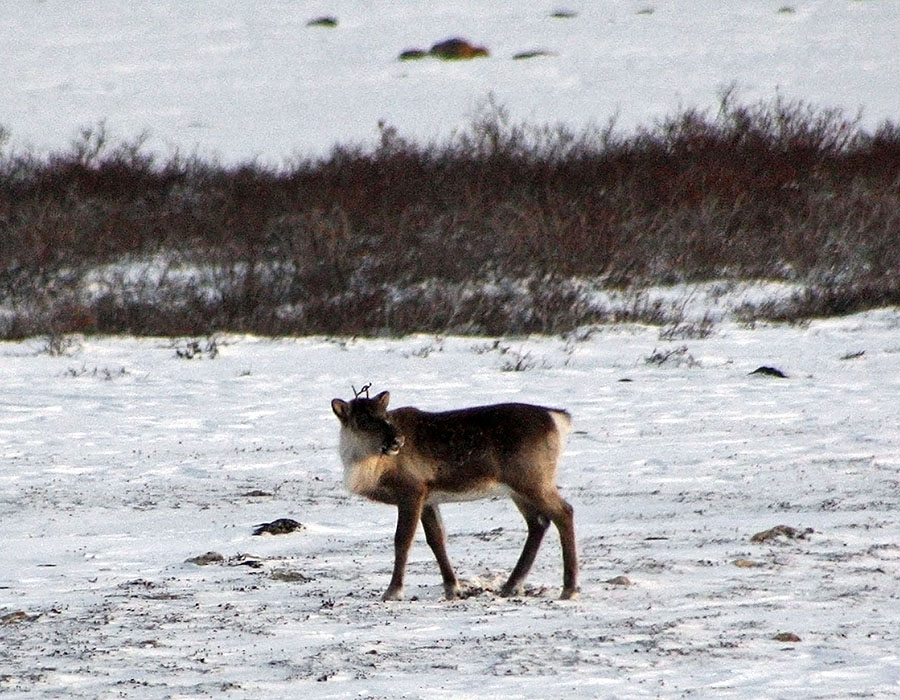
<point>393,445</point>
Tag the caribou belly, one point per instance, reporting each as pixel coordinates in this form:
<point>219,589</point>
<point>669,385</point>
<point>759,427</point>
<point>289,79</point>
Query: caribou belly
<point>473,494</point>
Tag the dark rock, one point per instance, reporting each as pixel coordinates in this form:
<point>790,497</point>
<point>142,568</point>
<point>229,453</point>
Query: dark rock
<point>413,54</point>
<point>537,53</point>
<point>769,372</point>
<point>327,21</point>
<point>281,526</point>
<point>457,49</point>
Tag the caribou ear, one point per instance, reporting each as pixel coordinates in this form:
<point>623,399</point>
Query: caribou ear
<point>382,400</point>
<point>341,409</point>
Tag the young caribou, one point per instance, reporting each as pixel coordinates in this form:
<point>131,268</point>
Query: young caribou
<point>417,460</point>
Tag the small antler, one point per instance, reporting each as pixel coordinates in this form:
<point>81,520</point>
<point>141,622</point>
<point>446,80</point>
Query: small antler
<point>357,394</point>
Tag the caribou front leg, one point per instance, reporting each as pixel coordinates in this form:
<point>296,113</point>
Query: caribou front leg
<point>434,535</point>
<point>409,511</point>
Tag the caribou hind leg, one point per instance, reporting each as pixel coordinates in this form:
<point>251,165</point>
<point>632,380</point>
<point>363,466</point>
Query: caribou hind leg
<point>537,525</point>
<point>538,518</point>
<point>564,520</point>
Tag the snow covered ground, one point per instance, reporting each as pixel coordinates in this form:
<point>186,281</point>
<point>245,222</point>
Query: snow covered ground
<point>121,460</point>
<point>250,79</point>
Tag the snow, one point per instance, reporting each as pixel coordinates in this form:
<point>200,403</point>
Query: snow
<point>250,80</point>
<point>122,460</point>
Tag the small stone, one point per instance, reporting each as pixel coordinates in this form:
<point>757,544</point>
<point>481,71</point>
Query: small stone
<point>619,581</point>
<point>786,531</point>
<point>17,616</point>
<point>205,559</point>
<point>249,560</point>
<point>327,21</point>
<point>537,53</point>
<point>257,493</point>
<point>748,564</point>
<point>786,637</point>
<point>413,54</point>
<point>289,576</point>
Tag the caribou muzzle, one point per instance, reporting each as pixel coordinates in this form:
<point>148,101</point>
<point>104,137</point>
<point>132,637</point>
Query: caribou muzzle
<point>393,441</point>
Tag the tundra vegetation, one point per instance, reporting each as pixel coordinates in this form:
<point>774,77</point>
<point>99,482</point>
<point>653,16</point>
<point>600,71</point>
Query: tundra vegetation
<point>502,228</point>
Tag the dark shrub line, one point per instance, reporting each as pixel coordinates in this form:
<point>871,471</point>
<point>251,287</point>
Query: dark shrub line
<point>493,231</point>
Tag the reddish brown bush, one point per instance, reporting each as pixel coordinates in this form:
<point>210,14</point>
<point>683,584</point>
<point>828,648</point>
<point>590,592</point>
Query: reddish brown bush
<point>481,234</point>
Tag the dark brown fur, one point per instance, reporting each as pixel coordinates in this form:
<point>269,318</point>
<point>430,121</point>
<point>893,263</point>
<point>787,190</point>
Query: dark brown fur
<point>416,460</point>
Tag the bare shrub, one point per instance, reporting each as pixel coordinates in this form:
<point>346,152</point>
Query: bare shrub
<point>484,233</point>
<point>680,328</point>
<point>678,357</point>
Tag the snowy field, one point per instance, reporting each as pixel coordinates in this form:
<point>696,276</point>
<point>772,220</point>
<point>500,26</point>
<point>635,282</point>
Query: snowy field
<point>249,79</point>
<point>121,460</point>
